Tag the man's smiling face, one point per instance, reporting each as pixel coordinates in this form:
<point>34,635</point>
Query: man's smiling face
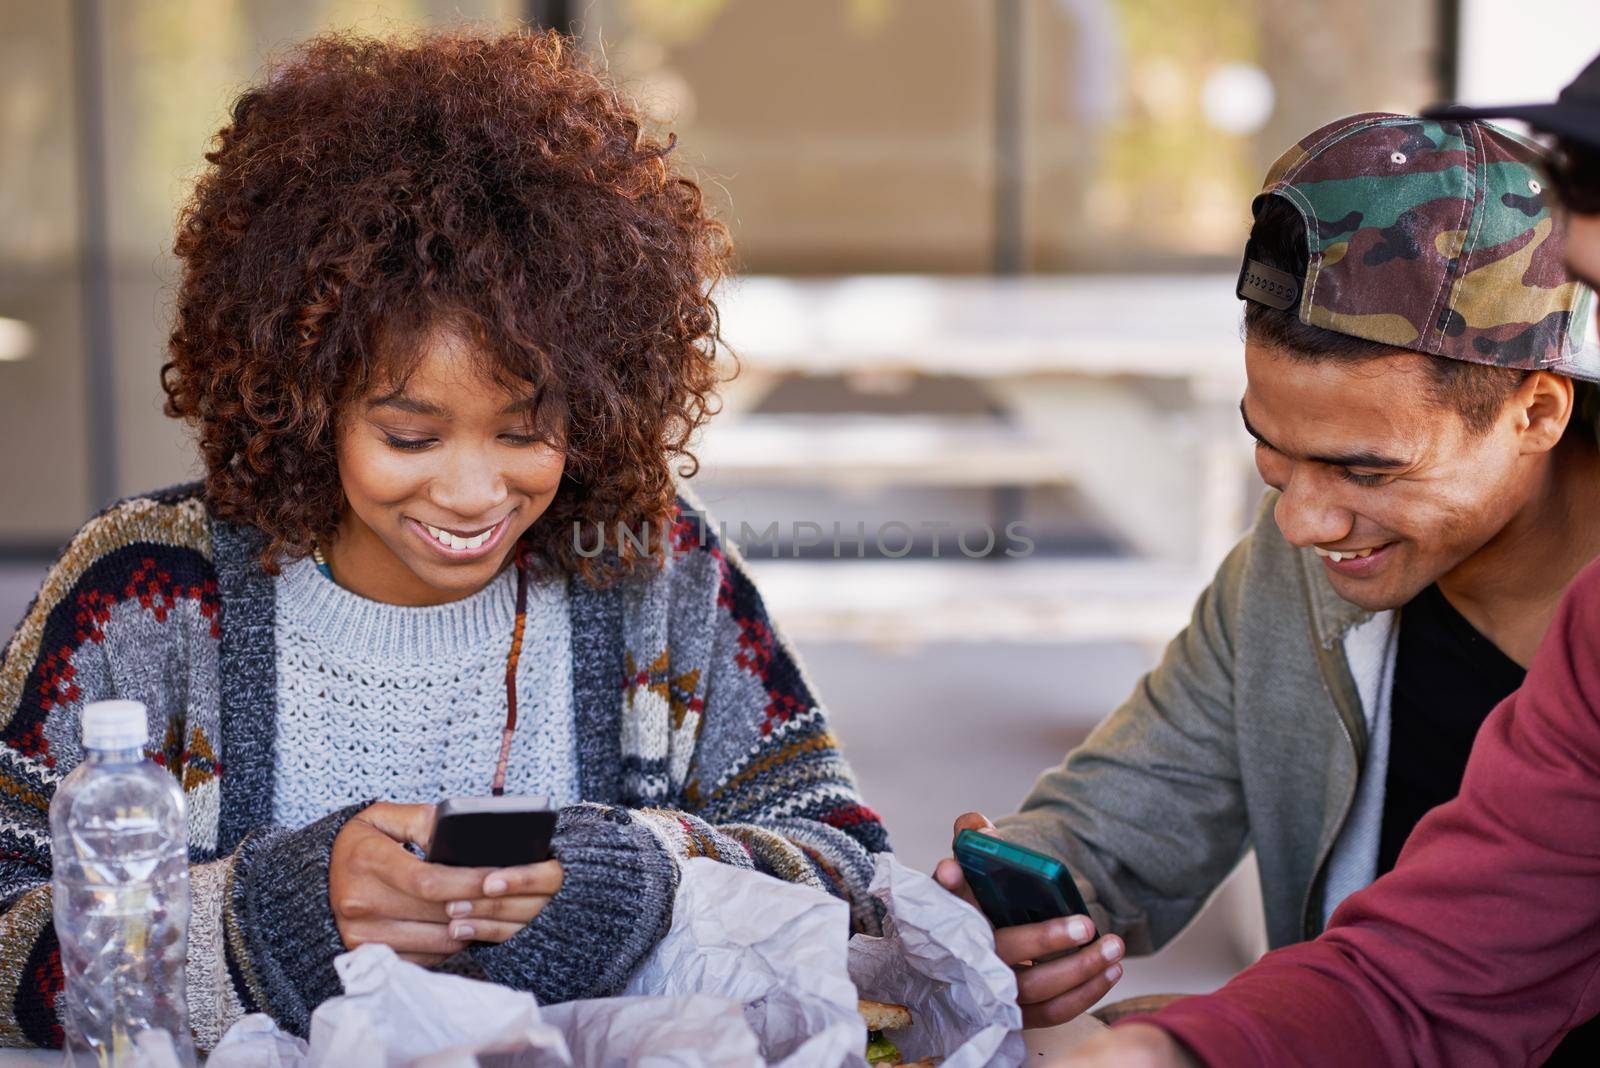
<point>1390,487</point>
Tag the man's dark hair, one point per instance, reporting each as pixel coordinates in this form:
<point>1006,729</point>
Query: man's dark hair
<point>1575,173</point>
<point>1278,239</point>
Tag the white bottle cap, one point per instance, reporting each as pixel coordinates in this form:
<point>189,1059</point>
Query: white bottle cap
<point>114,725</point>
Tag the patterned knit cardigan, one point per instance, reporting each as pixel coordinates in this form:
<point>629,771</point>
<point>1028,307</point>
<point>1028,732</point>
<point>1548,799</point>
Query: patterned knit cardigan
<point>697,736</point>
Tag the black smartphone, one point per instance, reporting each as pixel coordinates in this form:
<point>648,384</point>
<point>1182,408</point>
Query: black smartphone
<point>1015,885</point>
<point>491,832</point>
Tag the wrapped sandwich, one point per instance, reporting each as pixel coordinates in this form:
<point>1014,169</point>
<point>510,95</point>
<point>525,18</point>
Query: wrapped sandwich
<point>884,1016</point>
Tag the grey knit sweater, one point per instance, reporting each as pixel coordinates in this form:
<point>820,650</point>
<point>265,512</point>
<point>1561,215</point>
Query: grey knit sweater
<point>408,704</point>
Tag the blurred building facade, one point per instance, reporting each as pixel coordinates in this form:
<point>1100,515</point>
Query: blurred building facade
<point>837,137</point>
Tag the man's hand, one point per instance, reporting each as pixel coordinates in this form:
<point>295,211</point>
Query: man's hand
<point>1053,991</point>
<point>1132,1046</point>
<point>381,892</point>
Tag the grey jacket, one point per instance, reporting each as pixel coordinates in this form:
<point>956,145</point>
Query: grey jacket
<point>1263,718</point>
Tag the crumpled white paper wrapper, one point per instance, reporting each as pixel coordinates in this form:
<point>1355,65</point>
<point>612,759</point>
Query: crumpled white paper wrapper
<point>776,948</point>
<point>754,972</point>
<point>937,957</point>
<point>256,1042</point>
<point>397,1015</point>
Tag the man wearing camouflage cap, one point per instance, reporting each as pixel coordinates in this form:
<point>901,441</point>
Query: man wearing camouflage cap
<point>1415,374</point>
<point>1483,945</point>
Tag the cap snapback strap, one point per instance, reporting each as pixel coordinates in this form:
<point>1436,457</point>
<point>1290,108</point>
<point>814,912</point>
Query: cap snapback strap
<point>1267,285</point>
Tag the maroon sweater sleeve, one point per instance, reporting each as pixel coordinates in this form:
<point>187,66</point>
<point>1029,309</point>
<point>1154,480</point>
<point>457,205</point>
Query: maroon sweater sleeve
<point>1482,946</point>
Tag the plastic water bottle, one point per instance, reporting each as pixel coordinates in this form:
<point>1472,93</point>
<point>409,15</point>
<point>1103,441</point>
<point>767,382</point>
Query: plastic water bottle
<point>121,900</point>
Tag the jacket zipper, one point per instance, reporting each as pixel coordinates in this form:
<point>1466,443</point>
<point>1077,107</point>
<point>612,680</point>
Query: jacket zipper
<point>1334,668</point>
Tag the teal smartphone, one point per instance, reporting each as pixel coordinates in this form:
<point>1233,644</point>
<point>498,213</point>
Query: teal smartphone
<point>1015,885</point>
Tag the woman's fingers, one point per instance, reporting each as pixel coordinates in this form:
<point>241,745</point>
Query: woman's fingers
<point>514,896</point>
<point>543,879</point>
<point>376,857</point>
<point>1039,983</point>
<point>374,899</point>
<point>473,929</point>
<point>403,823</point>
<point>520,909</point>
<point>406,936</point>
<point>431,882</point>
<point>1037,941</point>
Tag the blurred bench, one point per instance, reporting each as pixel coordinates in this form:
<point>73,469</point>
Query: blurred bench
<point>908,602</point>
<point>1122,389</point>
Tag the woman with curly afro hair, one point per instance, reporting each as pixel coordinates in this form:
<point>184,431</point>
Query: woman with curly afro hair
<point>444,318</point>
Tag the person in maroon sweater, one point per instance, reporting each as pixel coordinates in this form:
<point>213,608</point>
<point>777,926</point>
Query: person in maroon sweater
<point>1482,946</point>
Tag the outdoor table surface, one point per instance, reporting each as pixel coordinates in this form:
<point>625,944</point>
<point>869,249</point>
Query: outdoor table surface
<point>1044,1045</point>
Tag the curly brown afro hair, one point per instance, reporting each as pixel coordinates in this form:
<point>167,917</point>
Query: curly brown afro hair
<point>369,190</point>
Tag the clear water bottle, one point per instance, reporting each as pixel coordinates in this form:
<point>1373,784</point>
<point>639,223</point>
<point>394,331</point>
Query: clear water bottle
<point>119,850</point>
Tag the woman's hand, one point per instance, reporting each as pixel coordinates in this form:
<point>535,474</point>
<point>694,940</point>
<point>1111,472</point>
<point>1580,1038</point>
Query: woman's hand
<point>381,892</point>
<point>1054,990</point>
<point>510,898</point>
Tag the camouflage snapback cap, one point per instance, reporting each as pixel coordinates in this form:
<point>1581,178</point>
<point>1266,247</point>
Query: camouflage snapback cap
<point>1429,235</point>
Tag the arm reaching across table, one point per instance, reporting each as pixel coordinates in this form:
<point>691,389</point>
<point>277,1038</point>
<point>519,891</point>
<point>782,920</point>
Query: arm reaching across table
<point>1483,945</point>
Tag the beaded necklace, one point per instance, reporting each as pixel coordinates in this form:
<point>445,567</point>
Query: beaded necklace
<point>498,787</point>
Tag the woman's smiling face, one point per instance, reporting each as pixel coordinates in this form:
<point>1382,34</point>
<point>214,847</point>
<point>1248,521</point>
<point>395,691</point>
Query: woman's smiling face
<point>442,473</point>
